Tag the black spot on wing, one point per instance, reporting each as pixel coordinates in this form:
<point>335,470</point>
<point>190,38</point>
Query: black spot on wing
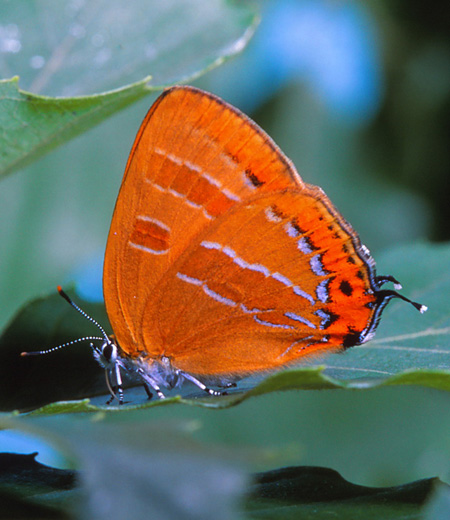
<point>346,288</point>
<point>278,213</point>
<point>298,229</point>
<point>253,178</point>
<point>352,338</point>
<point>360,274</point>
<point>330,320</point>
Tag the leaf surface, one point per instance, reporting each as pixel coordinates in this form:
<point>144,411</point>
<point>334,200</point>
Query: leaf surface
<point>115,53</point>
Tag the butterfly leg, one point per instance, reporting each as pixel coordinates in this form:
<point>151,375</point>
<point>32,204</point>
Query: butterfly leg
<point>111,399</point>
<point>148,391</point>
<point>114,389</point>
<point>149,382</point>
<point>198,383</point>
<point>119,382</point>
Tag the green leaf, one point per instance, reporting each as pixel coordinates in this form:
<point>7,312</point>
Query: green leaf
<point>321,493</point>
<point>21,471</point>
<point>410,349</point>
<point>29,489</point>
<point>18,507</point>
<point>33,125</point>
<point>103,46</point>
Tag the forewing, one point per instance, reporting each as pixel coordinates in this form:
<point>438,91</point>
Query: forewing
<point>193,160</point>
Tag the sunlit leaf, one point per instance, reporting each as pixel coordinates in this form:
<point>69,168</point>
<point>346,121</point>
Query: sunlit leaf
<point>113,51</point>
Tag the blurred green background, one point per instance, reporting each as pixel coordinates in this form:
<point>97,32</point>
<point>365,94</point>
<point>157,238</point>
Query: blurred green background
<point>357,95</point>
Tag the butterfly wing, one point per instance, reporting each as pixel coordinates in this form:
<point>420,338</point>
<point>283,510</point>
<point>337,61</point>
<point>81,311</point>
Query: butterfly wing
<point>274,279</point>
<point>193,160</point>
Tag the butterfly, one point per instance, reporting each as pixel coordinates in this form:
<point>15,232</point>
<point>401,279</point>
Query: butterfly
<point>220,261</point>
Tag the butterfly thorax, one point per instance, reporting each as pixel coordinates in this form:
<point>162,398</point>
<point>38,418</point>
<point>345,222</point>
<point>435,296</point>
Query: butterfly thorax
<point>143,367</point>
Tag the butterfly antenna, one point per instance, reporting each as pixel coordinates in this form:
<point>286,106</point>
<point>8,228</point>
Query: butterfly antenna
<point>84,314</point>
<point>85,338</point>
<point>421,308</point>
<point>48,351</point>
<point>387,294</point>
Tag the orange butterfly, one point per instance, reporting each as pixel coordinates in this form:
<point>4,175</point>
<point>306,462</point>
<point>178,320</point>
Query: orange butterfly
<point>221,262</point>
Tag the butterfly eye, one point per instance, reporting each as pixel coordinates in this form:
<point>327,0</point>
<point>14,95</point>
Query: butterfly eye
<point>109,352</point>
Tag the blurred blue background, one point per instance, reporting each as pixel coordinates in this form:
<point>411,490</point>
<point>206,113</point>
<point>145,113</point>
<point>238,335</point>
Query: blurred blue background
<point>331,48</point>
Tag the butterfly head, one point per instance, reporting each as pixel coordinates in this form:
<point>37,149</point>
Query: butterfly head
<point>107,354</point>
<point>105,349</point>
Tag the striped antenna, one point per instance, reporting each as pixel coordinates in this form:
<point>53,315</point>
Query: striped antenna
<point>75,306</point>
<point>48,351</point>
<point>69,343</point>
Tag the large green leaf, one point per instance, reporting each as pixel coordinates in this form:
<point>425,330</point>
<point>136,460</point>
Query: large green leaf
<point>409,349</point>
<point>96,47</point>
